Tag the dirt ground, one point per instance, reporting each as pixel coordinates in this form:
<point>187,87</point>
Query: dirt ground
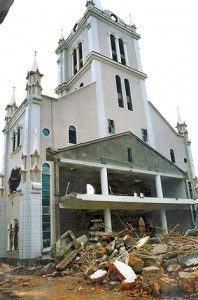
<point>70,288</point>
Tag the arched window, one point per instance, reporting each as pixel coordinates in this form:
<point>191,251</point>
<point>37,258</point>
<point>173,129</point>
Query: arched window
<point>46,205</point>
<point>80,55</point>
<point>13,141</point>
<point>172,155</point>
<point>74,61</point>
<point>122,54</point>
<point>72,135</point>
<point>18,136</point>
<point>113,47</point>
<point>128,94</point>
<point>119,91</point>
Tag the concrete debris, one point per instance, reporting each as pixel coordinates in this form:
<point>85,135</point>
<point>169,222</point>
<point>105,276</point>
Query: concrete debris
<point>124,272</point>
<point>147,268</point>
<point>142,242</point>
<point>98,276</point>
<point>160,249</point>
<point>136,263</point>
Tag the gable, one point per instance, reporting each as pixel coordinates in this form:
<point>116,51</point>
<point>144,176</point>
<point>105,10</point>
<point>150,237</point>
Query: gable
<point>114,150</point>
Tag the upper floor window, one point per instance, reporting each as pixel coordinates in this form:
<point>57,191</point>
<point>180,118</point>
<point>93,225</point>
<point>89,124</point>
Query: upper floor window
<point>172,155</point>
<point>13,141</point>
<point>111,126</point>
<point>74,61</point>
<point>130,157</point>
<point>18,136</point>
<point>72,135</point>
<point>128,94</point>
<point>144,135</point>
<point>80,55</point>
<point>119,91</point>
<point>122,53</point>
<point>113,47</point>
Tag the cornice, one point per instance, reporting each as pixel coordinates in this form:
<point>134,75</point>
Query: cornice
<point>99,57</point>
<point>102,58</point>
<point>101,15</point>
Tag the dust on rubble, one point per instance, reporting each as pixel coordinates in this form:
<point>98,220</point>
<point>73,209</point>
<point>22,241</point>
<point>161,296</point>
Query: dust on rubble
<point>109,265</point>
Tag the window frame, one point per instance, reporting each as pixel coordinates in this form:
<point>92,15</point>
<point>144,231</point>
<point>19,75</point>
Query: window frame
<point>144,135</point>
<point>113,48</point>
<point>80,55</point>
<point>119,91</point>
<point>122,52</point>
<point>128,94</point>
<point>72,134</point>
<point>74,61</point>
<point>111,126</point>
<point>172,156</point>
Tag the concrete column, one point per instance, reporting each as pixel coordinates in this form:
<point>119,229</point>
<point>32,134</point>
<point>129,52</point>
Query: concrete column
<point>159,190</point>
<point>104,181</point>
<point>107,219</point>
<point>164,220</point>
<point>158,185</point>
<point>105,191</point>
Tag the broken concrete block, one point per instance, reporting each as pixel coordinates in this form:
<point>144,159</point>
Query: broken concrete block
<point>160,249</point>
<point>173,268</point>
<point>188,260</point>
<point>68,258</point>
<point>82,240</point>
<point>150,275</point>
<point>124,272</point>
<point>136,263</point>
<point>98,276</point>
<point>168,286</point>
<point>142,242</point>
<point>184,275</point>
<point>129,241</point>
<point>65,242</point>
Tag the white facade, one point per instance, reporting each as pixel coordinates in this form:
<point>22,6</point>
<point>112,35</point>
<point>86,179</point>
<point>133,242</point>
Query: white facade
<point>101,92</point>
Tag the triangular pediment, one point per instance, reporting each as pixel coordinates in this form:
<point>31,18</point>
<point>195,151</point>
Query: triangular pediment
<point>114,150</point>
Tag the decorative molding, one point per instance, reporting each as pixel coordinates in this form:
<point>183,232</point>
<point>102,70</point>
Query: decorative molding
<point>97,56</point>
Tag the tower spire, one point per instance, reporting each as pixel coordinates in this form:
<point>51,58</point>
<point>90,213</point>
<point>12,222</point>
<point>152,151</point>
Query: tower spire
<point>11,107</point>
<point>179,119</point>
<point>96,3</point>
<point>13,98</point>
<point>35,65</point>
<point>181,125</point>
<point>33,86</point>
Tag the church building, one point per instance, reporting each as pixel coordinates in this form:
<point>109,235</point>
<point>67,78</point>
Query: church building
<point>99,150</point>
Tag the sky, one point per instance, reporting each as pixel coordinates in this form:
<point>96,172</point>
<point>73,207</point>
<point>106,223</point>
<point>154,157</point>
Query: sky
<point>169,51</point>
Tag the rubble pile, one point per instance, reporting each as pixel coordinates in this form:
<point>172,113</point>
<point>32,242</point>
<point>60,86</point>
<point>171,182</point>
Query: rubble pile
<point>166,266</point>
